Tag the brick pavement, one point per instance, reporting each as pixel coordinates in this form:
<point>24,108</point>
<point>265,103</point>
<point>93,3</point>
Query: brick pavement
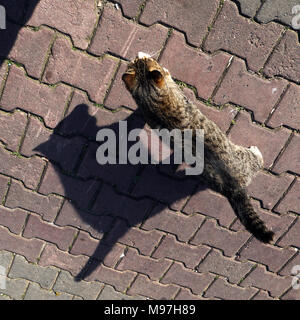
<point>144,231</point>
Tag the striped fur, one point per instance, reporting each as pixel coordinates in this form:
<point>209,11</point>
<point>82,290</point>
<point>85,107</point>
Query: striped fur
<point>228,168</point>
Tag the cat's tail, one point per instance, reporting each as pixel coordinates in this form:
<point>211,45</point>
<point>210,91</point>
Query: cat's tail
<point>224,183</point>
<point>243,208</point>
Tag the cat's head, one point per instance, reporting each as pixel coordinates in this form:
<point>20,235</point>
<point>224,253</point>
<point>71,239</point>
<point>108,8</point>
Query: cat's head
<point>143,72</point>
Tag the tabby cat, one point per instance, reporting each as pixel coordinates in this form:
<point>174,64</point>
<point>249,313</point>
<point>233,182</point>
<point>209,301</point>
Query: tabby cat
<point>228,168</point>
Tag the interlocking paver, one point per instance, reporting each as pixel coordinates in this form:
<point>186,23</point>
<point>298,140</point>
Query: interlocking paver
<point>30,248</point>
<point>222,117</point>
<point>12,128</point>
<point>29,48</point>
<point>14,220</point>
<point>249,91</point>
<point>287,112</point>
<point>193,66</point>
<point>80,70</point>
<point>262,295</point>
<point>6,259</point>
<point>35,292</point>
<point>76,18</point>
<point>109,293</point>
<point>86,119</point>
<point>277,10</point>
<point>20,197</point>
<point>185,294</point>
<point>118,95</point>
<point>292,237</point>
<point>198,15</point>
<point>291,201</point>
<point>212,235</point>
<point>15,288</point>
<point>223,290</point>
<point>173,249</point>
<point>86,245</point>
<point>292,294</point>
<point>51,256</point>
<point>242,37</point>
<point>249,8</point>
<point>144,241</point>
<point>260,278</point>
<point>209,203</point>
<point>72,216</point>
<point>71,228</point>
<point>120,280</point>
<point>26,94</point>
<point>289,160</point>
<point>153,268</point>
<point>181,225</point>
<point>3,187</point>
<point>155,290</point>
<point>268,255</point>
<point>20,268</point>
<point>36,228</point>
<point>269,188</point>
<point>216,263</point>
<point>125,38</point>
<point>181,276</point>
<point>285,61</point>
<point>28,170</point>
<point>65,283</point>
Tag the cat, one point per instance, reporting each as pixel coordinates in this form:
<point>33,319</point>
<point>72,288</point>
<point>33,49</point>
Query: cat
<point>228,168</point>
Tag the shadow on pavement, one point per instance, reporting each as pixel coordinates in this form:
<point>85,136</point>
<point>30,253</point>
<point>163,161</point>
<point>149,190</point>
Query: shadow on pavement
<point>126,210</point>
<point>17,13</point>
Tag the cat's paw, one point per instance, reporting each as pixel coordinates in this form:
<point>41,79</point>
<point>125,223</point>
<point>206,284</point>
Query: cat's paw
<point>257,152</point>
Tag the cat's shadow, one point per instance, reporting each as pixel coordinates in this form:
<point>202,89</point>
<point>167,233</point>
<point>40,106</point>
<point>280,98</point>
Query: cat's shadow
<point>121,179</point>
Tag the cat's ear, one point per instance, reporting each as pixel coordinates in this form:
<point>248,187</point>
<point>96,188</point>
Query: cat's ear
<point>157,77</point>
<point>129,80</point>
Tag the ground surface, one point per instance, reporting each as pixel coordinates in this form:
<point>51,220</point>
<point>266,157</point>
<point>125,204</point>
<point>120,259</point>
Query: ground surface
<point>143,231</point>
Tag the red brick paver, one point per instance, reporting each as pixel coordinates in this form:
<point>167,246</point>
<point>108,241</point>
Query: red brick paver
<point>193,66</point>
<point>249,91</point>
<point>197,16</point>
<point>71,17</point>
<point>242,37</point>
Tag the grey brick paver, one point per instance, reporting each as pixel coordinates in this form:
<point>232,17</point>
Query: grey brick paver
<point>29,271</point>
<point>87,290</point>
<point>34,292</point>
